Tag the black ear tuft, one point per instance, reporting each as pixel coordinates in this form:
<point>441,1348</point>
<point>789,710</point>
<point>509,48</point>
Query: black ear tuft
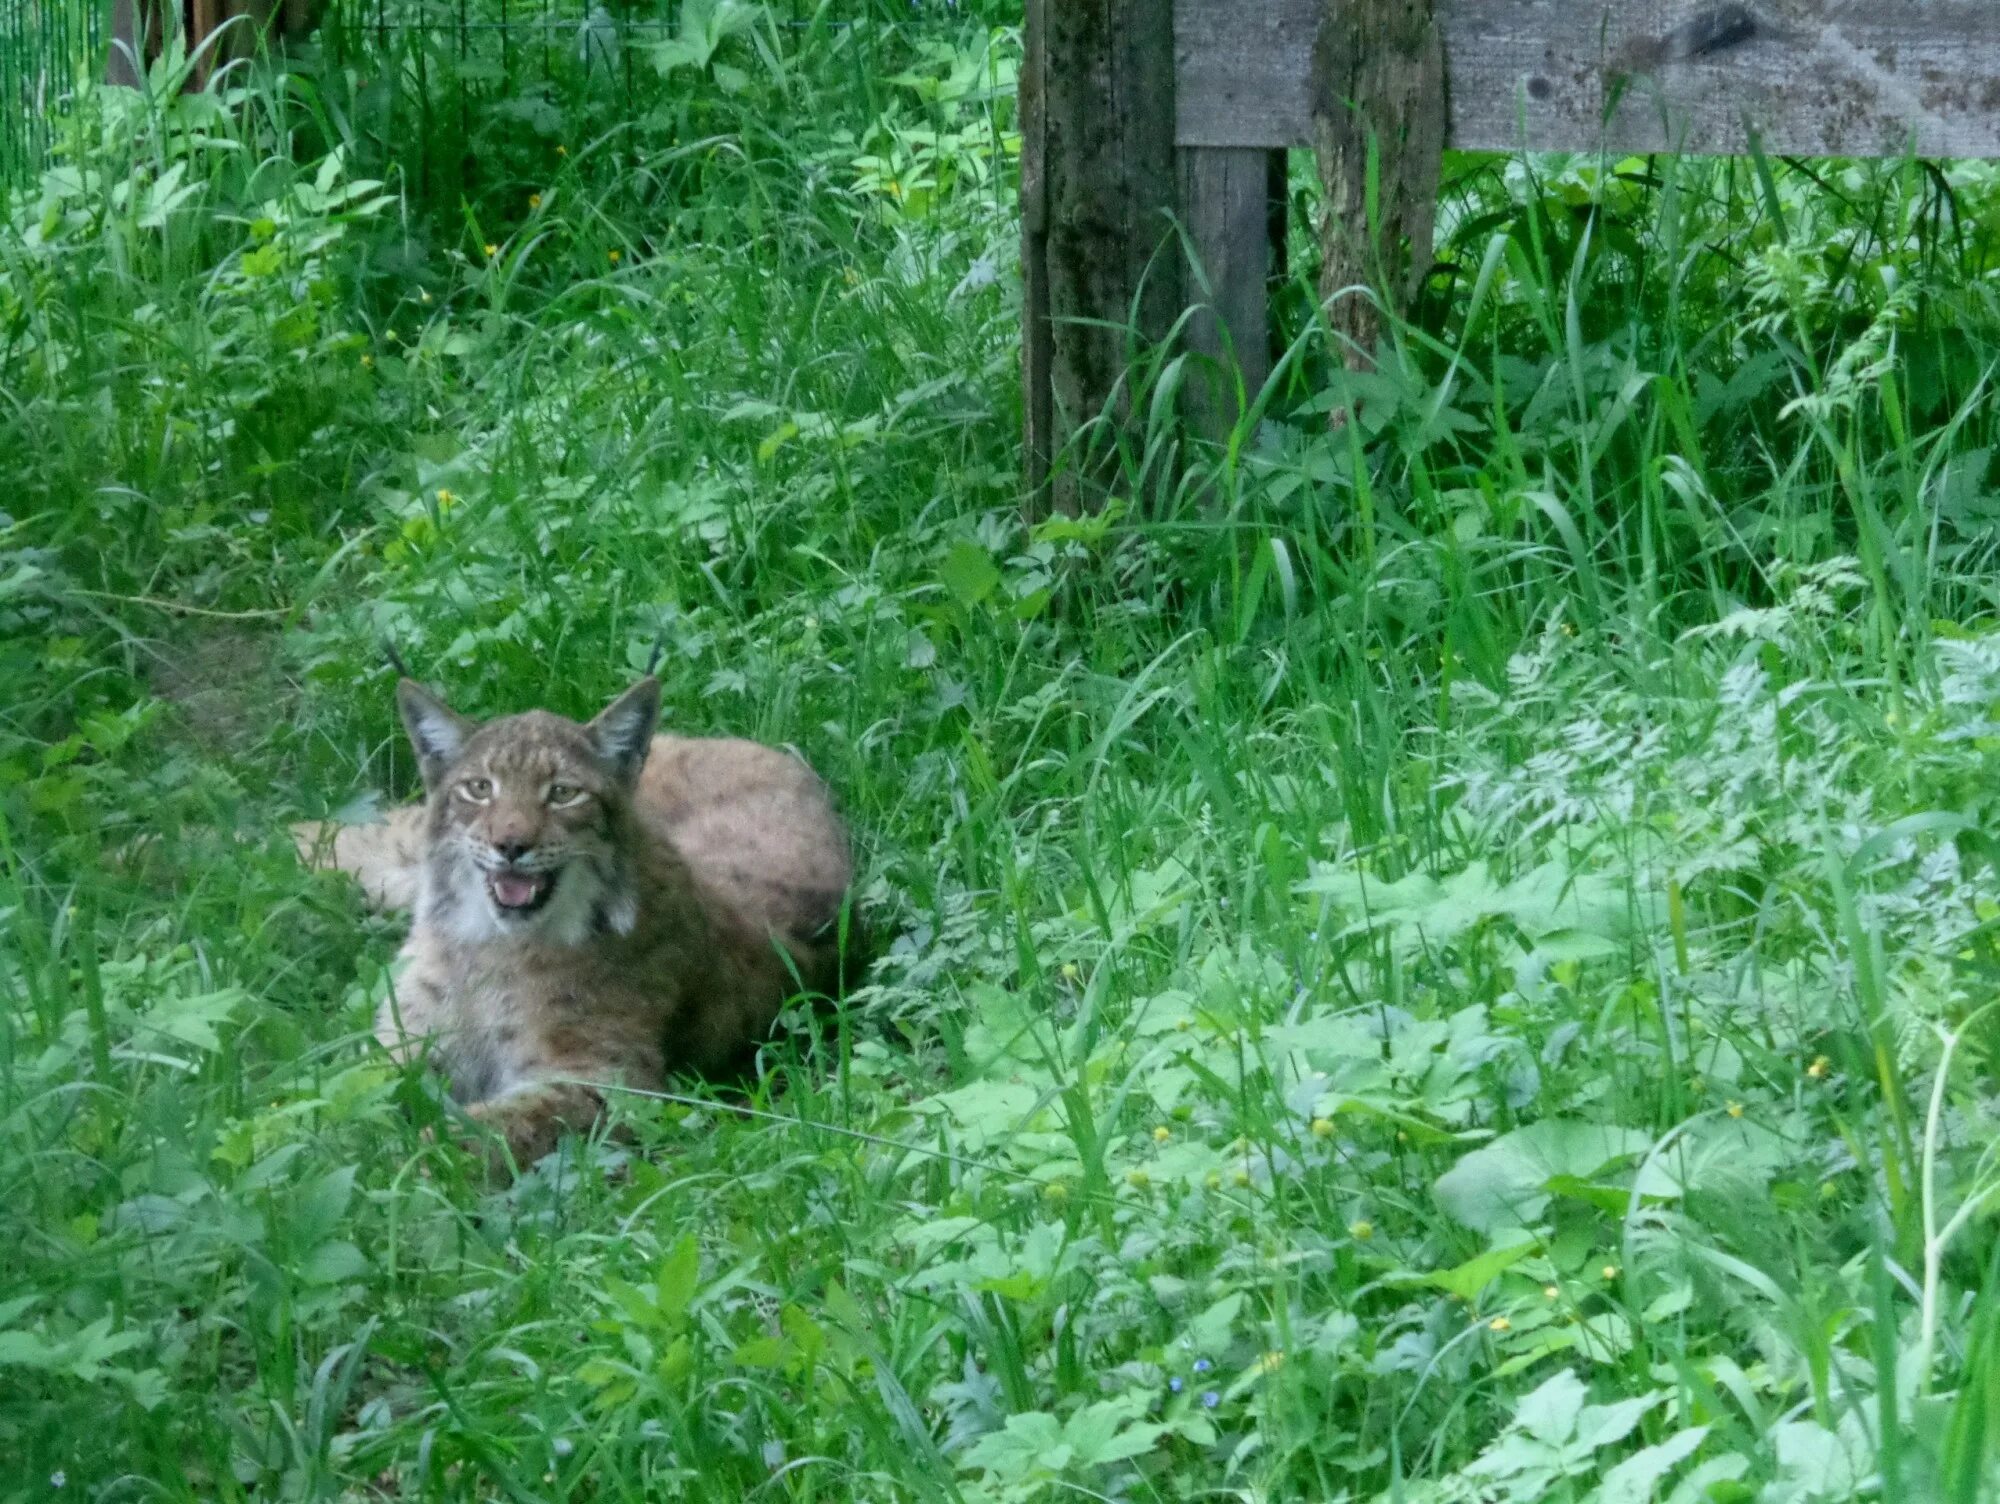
<point>438,732</point>
<point>623,730</point>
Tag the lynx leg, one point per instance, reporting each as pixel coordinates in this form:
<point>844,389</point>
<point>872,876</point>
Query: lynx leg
<point>531,1119</point>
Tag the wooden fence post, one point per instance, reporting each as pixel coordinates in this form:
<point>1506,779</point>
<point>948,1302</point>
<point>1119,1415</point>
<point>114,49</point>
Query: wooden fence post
<point>1378,88</point>
<point>139,29</point>
<point>1232,204</point>
<point>1099,188</point>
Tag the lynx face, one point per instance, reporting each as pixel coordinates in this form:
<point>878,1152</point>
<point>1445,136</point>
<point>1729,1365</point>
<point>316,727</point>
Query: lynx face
<point>529,818</point>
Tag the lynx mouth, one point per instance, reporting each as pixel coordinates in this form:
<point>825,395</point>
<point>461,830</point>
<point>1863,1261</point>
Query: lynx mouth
<point>520,892</point>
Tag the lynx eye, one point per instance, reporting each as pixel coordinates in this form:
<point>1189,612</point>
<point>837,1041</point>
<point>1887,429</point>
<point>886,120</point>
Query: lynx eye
<point>476,790</point>
<point>564,795</point>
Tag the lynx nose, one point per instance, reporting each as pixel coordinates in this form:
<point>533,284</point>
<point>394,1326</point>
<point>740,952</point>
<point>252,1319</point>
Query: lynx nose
<point>511,851</point>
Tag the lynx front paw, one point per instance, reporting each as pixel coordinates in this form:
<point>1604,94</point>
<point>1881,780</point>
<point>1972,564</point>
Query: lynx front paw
<point>525,1125</point>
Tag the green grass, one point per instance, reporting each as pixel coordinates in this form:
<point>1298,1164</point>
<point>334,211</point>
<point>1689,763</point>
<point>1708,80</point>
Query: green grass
<point>1443,959</point>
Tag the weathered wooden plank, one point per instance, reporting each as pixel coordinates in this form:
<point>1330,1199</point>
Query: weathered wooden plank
<point>1100,202</point>
<point>1225,204</point>
<point>1037,338</point>
<point>1378,140</point>
<point>1813,77</point>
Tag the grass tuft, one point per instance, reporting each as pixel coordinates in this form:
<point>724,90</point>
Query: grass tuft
<point>1442,958</point>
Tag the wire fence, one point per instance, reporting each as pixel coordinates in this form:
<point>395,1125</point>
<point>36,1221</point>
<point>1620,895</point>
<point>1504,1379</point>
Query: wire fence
<point>448,60</point>
<point>45,46</point>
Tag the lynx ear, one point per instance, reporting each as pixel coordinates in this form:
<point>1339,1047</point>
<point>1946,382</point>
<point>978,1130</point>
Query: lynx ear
<point>623,730</point>
<point>437,731</point>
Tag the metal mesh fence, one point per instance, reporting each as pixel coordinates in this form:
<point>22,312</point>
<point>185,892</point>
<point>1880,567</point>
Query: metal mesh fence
<point>447,58</point>
<point>45,45</point>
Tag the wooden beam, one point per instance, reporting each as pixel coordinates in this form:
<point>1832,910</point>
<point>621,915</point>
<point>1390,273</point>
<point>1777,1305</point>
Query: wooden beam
<point>135,41</point>
<point>1099,192</point>
<point>1812,77</point>
<point>1378,71</point>
<point>1226,207</point>
<point>1037,335</point>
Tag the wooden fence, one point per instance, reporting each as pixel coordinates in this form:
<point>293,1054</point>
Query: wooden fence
<point>1213,88</point>
<point>1814,78</point>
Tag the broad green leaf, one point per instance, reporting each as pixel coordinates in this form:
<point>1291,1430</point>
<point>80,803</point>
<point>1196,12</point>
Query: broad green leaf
<point>1814,1464</point>
<point>193,1020</point>
<point>1028,1442</point>
<point>333,1263</point>
<point>1634,1480</point>
<point>1550,1413</point>
<point>1110,1430</point>
<point>319,1206</point>
<point>1604,1425</point>
<point>762,1352</point>
<point>1209,1332</point>
<point>680,1274</point>
<point>1469,1279</point>
<point>969,573</point>
<point>1717,1154</point>
<point>1504,1185</point>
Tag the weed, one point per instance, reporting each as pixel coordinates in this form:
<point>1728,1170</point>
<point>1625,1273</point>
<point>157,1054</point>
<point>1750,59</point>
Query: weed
<point>1453,967</point>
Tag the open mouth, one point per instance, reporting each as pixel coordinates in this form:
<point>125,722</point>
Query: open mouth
<point>520,892</point>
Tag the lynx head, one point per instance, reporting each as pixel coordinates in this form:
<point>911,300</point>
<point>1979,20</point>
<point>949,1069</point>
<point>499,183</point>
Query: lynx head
<point>530,826</point>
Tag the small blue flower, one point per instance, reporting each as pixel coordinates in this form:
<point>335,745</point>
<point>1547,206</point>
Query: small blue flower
<point>1175,1384</point>
<point>1210,1399</point>
<point>1202,1365</point>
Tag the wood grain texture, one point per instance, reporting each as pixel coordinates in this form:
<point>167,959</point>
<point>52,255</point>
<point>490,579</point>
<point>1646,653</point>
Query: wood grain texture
<point>1378,138</point>
<point>1225,204</point>
<point>1037,341</point>
<point>139,29</point>
<point>1106,189</point>
<point>1810,77</point>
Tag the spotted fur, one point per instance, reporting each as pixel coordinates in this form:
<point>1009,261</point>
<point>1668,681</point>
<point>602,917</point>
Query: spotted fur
<point>593,904</point>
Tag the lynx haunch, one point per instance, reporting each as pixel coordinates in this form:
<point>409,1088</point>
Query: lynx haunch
<point>593,904</point>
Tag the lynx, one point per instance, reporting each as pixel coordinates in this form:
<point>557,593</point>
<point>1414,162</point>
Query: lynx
<point>593,905</point>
